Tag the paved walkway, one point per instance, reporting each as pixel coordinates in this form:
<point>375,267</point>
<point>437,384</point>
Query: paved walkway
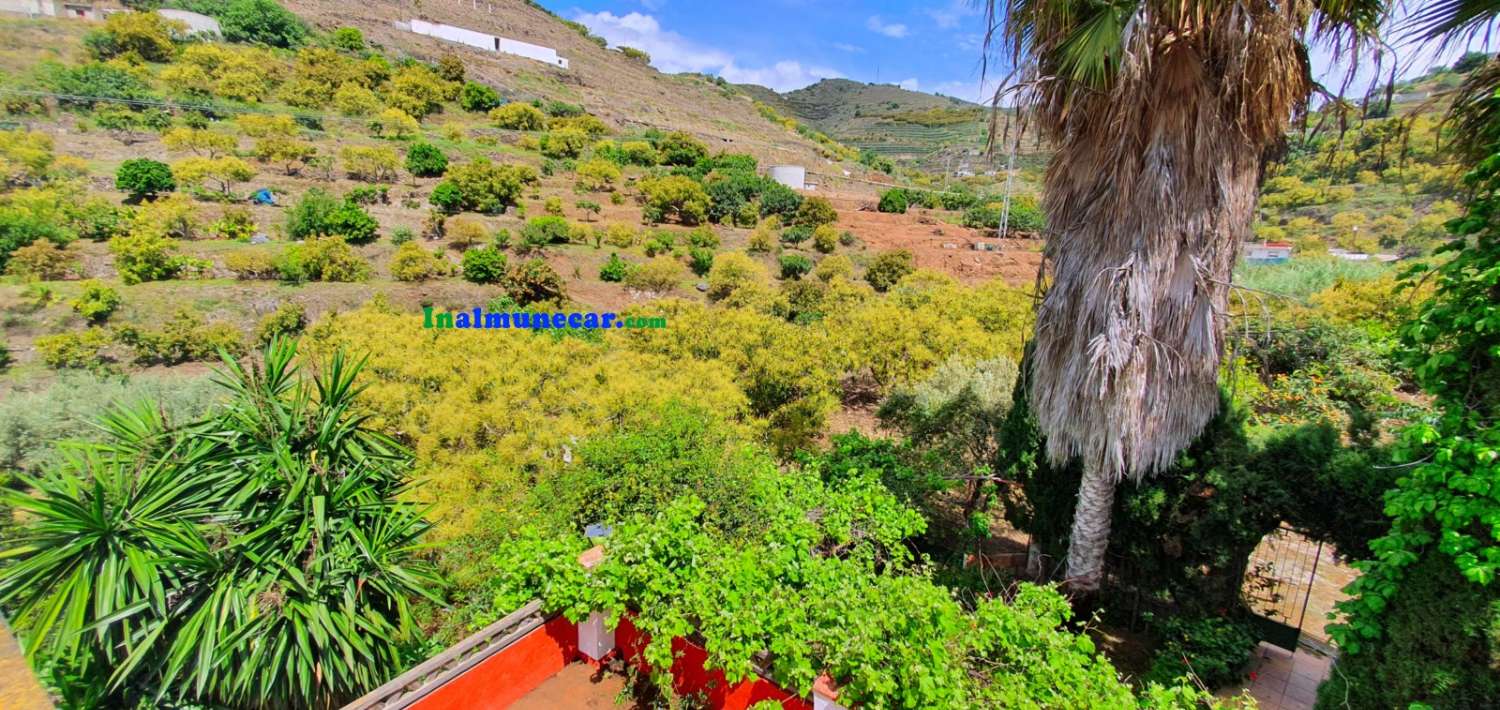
<point>19,689</point>
<point>1282,680</point>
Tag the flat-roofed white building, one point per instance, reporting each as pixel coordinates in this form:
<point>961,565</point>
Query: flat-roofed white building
<point>489,42</point>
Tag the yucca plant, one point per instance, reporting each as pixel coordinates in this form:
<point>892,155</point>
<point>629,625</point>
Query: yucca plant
<point>1163,113</point>
<point>258,558</point>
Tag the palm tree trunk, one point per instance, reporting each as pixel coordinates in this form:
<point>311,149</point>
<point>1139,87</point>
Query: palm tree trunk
<point>1090,537</point>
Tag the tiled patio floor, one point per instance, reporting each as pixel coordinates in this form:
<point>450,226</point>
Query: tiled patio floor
<point>1287,681</point>
<point>578,686</point>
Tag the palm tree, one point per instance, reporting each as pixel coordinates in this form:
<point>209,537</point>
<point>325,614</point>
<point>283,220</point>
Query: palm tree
<point>1162,114</point>
<point>258,558</point>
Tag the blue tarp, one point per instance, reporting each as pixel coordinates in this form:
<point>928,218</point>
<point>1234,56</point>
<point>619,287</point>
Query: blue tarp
<point>263,197</point>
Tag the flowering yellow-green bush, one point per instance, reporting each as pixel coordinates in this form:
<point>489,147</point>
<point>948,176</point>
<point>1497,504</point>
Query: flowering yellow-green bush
<point>490,415</point>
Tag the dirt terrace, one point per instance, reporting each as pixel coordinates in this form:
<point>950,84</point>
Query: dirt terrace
<point>938,244</point>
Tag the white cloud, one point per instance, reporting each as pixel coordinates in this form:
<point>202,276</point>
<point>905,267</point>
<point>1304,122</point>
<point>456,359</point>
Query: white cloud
<point>782,76</point>
<point>671,52</point>
<point>850,48</point>
<point>953,14</point>
<point>910,84</point>
<point>893,29</point>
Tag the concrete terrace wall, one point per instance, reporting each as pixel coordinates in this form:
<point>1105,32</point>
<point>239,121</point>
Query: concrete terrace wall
<point>488,42</point>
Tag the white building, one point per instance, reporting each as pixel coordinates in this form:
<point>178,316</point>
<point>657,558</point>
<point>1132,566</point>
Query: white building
<point>488,42</point>
<point>1268,252</point>
<point>78,9</point>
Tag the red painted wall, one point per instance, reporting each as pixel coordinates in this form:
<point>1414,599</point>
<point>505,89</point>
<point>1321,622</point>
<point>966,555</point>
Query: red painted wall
<point>510,674</point>
<point>690,676</point>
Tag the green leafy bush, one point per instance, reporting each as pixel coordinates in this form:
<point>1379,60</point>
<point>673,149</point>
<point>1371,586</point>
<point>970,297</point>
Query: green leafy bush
<point>615,270</point>
<point>543,231</point>
<point>678,148</point>
<point>146,255</point>
<point>700,260</point>
<point>79,350</point>
<point>425,160</point>
<point>564,143</point>
<point>349,39</point>
<point>260,21</point>
<point>321,259</point>
<point>1216,651</point>
<point>533,281</point>
<point>481,186</point>
<point>796,235</point>
<point>288,320</point>
<point>478,98</point>
<point>661,274</point>
<point>96,302</point>
<point>318,213</point>
<point>144,178</point>
<point>794,266</point>
<point>411,262</point>
<point>86,84</point>
<point>778,199</point>
<point>888,268</point>
<point>486,265</point>
<point>41,260</point>
<point>519,117</point>
<point>815,212</point>
<point>675,197</point>
<point>893,201</point>
<point>185,337</point>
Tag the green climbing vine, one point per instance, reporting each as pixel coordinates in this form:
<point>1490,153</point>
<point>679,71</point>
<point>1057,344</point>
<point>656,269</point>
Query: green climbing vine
<point>1450,499</point>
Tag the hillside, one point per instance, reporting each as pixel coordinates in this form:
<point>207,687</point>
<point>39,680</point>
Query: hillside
<point>919,130</point>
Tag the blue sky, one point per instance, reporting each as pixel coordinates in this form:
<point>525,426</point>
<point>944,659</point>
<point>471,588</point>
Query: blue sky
<point>925,45</point>
<point>932,46</point>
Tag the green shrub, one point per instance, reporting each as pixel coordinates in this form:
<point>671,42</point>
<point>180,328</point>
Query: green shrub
<point>251,264</point>
<point>564,143</point>
<point>660,242</point>
<point>185,337</point>
<point>402,235</point>
<point>318,213</point>
<point>542,231</point>
<point>678,148</point>
<point>81,350</point>
<point>893,201</point>
<point>289,319</point>
<point>485,265</point>
<point>1215,650</point>
<point>146,255</point>
<point>888,268</point>
<point>615,270</point>
<point>519,117</point>
<point>700,260</point>
<point>144,178</point>
<point>478,98</point>
<point>349,39</point>
<point>143,34</point>
<point>533,281</point>
<point>778,199</point>
<point>326,258</point>
<point>481,186</point>
<point>674,197</point>
<point>794,266</point>
<point>825,238</point>
<point>425,160</point>
<point>639,153</point>
<point>659,275</point>
<point>260,21</point>
<point>84,85</point>
<point>41,260</point>
<point>815,212</point>
<point>413,263</point>
<point>704,237</point>
<point>96,302</point>
<point>796,235</point>
<point>369,195</point>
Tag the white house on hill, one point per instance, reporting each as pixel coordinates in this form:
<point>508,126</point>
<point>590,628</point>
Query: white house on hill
<point>488,42</point>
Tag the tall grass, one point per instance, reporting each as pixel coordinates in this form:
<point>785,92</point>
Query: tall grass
<point>1304,276</point>
<point>32,422</point>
